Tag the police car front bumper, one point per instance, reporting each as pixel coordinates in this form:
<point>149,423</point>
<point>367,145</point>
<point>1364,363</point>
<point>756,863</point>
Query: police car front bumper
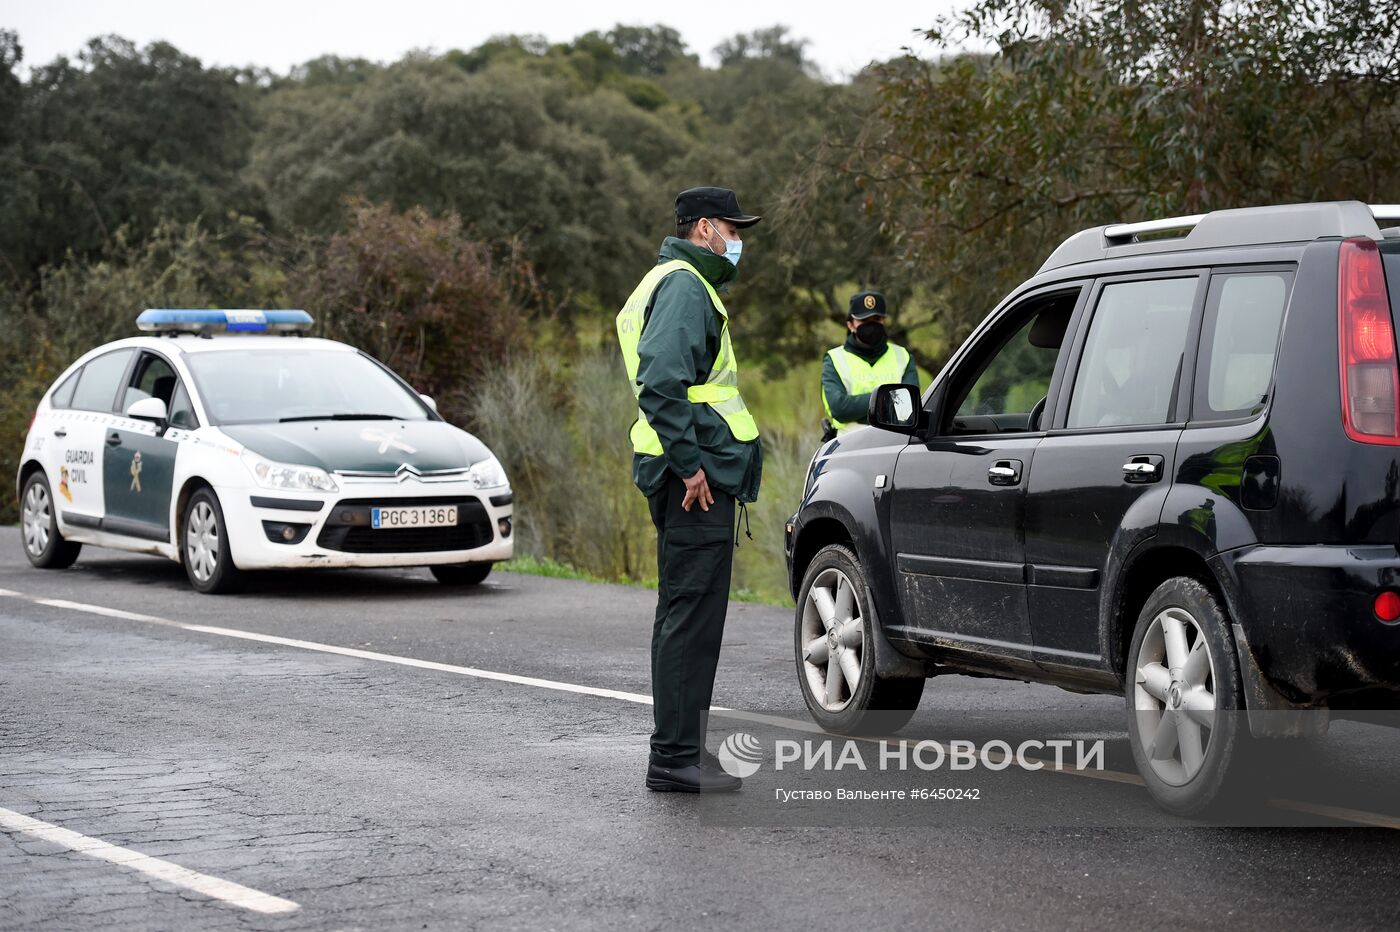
<point>291,530</point>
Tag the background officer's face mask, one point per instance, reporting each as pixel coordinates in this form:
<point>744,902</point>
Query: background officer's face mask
<point>871,333</point>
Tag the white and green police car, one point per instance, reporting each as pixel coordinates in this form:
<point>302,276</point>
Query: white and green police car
<point>228,441</point>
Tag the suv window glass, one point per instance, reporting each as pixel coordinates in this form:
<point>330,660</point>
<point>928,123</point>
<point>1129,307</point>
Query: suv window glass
<point>1239,339</point>
<point>154,378</point>
<point>1005,392</point>
<point>1132,359</point>
<point>63,395</point>
<point>97,389</point>
<point>181,411</point>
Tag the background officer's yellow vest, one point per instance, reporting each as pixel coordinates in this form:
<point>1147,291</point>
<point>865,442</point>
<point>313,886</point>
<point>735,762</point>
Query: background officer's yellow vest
<point>720,391</point>
<point>861,378</point>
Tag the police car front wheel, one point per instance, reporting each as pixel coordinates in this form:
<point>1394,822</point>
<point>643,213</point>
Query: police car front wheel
<point>43,544</point>
<point>462,574</point>
<point>204,546</point>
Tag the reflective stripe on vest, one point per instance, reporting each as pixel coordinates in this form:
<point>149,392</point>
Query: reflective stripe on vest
<point>720,391</point>
<point>861,378</point>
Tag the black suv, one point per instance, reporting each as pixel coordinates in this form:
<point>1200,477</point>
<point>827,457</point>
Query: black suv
<point>1167,465</point>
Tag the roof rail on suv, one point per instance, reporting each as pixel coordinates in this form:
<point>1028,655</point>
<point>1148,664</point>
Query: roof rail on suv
<point>1249,226</point>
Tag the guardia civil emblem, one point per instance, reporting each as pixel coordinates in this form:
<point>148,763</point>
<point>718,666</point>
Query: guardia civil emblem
<point>136,472</point>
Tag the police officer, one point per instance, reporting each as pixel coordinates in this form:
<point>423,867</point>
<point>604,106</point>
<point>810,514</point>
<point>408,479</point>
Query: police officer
<point>866,360</point>
<point>696,453</point>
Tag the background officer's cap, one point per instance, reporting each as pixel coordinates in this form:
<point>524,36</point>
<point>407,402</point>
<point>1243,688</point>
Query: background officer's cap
<point>717,203</point>
<point>867,304</point>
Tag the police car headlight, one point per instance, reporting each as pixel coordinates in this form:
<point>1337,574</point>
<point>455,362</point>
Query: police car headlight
<point>487,474</point>
<point>272,475</point>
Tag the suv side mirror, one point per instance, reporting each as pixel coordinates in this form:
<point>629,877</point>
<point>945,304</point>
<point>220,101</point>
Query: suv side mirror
<point>148,409</point>
<point>428,400</point>
<point>896,408</point>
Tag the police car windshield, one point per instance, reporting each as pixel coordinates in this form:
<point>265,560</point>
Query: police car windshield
<point>253,386</point>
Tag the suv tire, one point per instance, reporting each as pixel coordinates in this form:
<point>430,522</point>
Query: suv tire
<point>831,637</point>
<point>204,548</point>
<point>1185,700</point>
<point>462,574</point>
<point>43,544</point>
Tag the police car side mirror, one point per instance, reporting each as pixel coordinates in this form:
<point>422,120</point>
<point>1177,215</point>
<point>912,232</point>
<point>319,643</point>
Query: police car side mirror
<point>428,400</point>
<point>896,408</point>
<point>148,409</point>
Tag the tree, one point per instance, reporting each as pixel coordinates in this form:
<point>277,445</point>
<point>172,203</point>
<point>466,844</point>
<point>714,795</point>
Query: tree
<point>648,50</point>
<point>497,147</point>
<point>1093,112</point>
<point>122,137</point>
<point>11,89</point>
<point>419,294</point>
<point>774,43</point>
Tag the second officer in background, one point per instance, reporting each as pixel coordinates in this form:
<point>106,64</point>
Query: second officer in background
<point>866,360</point>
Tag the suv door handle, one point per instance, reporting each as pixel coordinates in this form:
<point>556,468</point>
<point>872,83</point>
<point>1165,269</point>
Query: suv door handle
<point>1005,472</point>
<point>1144,468</point>
<point>61,432</point>
<point>114,439</point>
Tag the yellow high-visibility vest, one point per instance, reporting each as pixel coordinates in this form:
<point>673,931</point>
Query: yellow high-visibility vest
<point>720,391</point>
<point>862,378</point>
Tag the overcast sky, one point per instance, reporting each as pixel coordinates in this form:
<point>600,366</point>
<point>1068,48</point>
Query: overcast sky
<point>281,33</point>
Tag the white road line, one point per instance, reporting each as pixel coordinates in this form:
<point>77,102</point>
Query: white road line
<point>223,890</point>
<point>1345,815</point>
<point>639,698</point>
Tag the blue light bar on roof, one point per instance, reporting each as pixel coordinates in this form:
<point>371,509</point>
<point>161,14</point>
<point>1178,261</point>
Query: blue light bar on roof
<point>193,320</point>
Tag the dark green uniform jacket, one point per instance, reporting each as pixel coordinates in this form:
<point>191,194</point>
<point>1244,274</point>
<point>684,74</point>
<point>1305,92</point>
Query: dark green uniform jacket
<point>680,340</point>
<point>854,409</point>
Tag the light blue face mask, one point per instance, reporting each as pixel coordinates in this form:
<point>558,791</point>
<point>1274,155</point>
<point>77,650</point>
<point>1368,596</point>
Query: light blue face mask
<point>733,248</point>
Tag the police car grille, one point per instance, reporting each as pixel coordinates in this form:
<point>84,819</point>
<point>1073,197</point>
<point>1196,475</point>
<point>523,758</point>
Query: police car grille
<point>348,529</point>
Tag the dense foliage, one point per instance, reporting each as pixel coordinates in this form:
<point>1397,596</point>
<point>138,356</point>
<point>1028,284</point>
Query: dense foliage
<point>476,217</point>
<point>1095,111</point>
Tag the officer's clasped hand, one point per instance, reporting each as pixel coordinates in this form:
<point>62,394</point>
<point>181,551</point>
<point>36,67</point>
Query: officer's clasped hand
<point>697,489</point>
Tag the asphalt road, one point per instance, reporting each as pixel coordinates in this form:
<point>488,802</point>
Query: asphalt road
<point>406,786</point>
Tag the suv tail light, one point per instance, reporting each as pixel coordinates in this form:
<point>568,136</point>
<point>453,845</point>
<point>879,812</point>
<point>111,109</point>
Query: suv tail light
<point>1370,376</point>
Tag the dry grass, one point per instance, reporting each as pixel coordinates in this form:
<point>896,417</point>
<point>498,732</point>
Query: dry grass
<point>561,432</point>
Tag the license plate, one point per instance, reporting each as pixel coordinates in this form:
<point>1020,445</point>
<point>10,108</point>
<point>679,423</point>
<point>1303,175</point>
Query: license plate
<point>389,519</point>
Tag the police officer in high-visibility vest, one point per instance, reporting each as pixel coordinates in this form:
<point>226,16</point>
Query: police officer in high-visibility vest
<point>866,361</point>
<point>696,454</point>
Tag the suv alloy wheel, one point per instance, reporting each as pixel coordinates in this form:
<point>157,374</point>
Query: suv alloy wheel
<point>1184,697</point>
<point>835,662</point>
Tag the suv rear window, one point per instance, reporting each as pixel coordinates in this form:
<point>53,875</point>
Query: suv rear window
<point>1239,340</point>
<point>1129,372</point>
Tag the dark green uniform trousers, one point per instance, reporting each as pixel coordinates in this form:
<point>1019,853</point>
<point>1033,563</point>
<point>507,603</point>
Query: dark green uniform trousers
<point>694,556</point>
